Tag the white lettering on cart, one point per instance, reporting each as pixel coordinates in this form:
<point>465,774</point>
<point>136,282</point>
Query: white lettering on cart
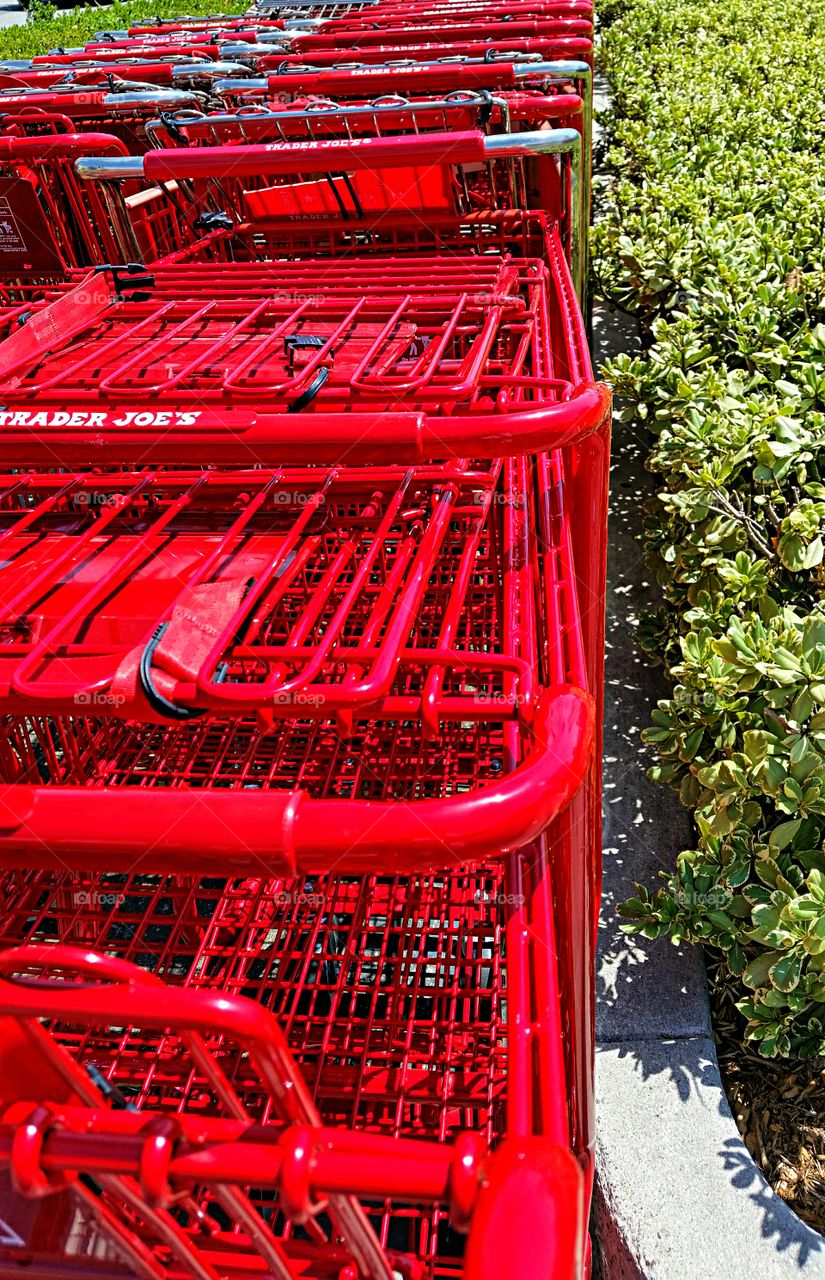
<point>313,146</point>
<point>88,418</point>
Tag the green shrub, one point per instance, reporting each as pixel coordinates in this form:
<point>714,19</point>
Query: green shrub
<point>44,31</point>
<point>712,231</point>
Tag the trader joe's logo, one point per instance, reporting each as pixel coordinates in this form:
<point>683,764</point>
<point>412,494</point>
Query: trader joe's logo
<point>88,418</point>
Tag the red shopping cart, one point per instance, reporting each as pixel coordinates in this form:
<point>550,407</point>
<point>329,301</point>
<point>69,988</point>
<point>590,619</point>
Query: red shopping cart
<point>122,114</point>
<point>411,79</point>
<point>343,778</point>
<point>191,1144</point>
<point>218,22</point>
<point>484,209</point>
<point>418,82</point>
<point>450,29</point>
<point>322,119</point>
<point>51,222</point>
<point>319,120</point>
<point>303,586</point>
<point>546,48</point>
<point>367,192</point>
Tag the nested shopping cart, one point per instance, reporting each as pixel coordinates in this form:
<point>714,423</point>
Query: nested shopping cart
<point>410,79</point>
<point>122,113</point>
<point>302,594</point>
<point>429,46</point>
<point>218,22</point>
<point>489,27</point>
<point>319,120</point>
<point>196,1143</point>
<point>426,1008</point>
<point>418,82</point>
<point>377,358</point>
<point>51,222</point>
<point>322,119</point>
<point>401,17</point>
<point>375,199</point>
<point>175,53</point>
<point>174,71</point>
<point>300,199</point>
<point>360,728</point>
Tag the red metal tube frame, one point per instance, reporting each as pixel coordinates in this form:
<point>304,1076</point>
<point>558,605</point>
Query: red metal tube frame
<point>60,147</point>
<point>241,438</point>
<point>288,158</point>
<point>560,47</point>
<point>529,1183</point>
<point>353,39</point>
<point>290,833</point>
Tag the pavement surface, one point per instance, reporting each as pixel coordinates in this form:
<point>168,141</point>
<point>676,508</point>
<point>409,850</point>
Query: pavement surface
<point>11,14</point>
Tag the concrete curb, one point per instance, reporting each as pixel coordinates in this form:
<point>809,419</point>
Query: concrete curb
<point>678,1196</point>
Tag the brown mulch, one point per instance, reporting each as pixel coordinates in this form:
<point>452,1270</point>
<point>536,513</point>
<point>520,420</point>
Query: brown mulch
<point>778,1106</point>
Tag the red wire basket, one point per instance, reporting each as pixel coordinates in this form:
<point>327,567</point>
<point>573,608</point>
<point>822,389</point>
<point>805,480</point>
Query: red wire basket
<point>318,119</point>
<point>301,593</point>
<point>454,29</point>
<point>192,1141</point>
<point>58,222</point>
<point>380,365</point>
<point>256,26</point>
<point>124,73</point>
<point>51,222</point>
<point>363,191</point>
<point>367,607</point>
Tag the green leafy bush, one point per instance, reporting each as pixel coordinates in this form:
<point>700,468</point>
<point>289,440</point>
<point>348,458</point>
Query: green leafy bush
<point>44,31</point>
<point>712,231</point>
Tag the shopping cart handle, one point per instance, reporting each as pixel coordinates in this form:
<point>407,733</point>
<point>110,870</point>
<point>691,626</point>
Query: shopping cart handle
<point>208,70</point>
<point>218,832</point>
<point>312,157</point>
<point>424,77</point>
<point>99,968</point>
<point>330,156</point>
<point>245,438</point>
<point>163,99</point>
<point>109,986</point>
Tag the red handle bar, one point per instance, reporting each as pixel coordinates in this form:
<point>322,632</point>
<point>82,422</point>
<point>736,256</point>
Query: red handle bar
<point>312,157</point>
<point>288,834</point>
<point>243,438</point>
<point>423,77</point>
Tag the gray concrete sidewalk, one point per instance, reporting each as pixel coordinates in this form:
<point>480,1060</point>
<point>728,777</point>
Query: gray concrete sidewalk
<point>11,14</point>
